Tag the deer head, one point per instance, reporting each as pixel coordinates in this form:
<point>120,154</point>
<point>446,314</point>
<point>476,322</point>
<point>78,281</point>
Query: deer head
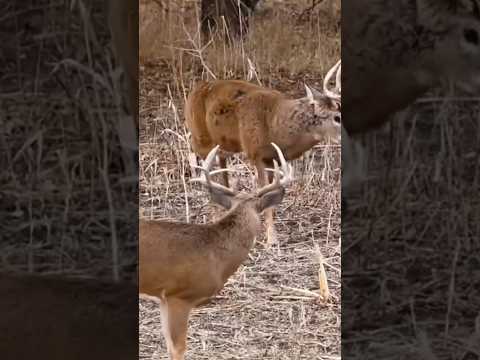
<point>256,202</point>
<point>324,116</point>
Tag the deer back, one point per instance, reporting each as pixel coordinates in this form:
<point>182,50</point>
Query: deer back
<point>194,260</point>
<point>240,116</point>
<point>214,110</point>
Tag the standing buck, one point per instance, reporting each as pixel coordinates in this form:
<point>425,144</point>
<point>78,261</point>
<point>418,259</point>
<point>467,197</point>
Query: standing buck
<point>184,265</point>
<point>243,117</point>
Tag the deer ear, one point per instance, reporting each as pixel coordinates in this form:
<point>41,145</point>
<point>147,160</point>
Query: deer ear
<point>271,199</point>
<point>221,198</point>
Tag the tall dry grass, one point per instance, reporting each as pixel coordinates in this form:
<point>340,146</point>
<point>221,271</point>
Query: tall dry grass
<point>282,50</point>
<point>276,44</point>
<point>66,204</point>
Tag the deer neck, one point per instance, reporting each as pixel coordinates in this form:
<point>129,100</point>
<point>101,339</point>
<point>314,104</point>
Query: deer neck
<point>294,128</point>
<point>239,228</point>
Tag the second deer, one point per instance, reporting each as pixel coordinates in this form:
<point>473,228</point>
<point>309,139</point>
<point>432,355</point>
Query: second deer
<point>244,117</point>
<point>184,265</point>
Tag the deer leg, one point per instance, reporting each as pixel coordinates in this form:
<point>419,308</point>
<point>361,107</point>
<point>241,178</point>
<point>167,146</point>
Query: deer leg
<point>269,213</point>
<point>178,312</point>
<point>223,165</point>
<point>165,324</point>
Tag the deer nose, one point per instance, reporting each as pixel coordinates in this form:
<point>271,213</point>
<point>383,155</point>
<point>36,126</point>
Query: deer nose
<point>337,119</point>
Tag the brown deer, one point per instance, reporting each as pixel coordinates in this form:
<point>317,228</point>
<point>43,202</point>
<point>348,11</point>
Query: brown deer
<point>243,117</point>
<point>184,265</point>
<point>57,318</point>
<point>123,24</point>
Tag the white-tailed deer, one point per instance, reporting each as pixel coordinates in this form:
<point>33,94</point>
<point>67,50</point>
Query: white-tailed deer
<point>56,318</point>
<point>244,117</point>
<point>184,265</point>
<point>123,23</point>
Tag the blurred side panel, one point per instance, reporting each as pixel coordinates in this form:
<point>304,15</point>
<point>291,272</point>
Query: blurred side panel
<point>410,185</point>
<point>68,180</point>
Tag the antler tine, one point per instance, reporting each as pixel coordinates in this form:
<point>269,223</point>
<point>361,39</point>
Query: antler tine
<point>329,75</point>
<point>207,172</point>
<point>338,79</point>
<point>286,172</point>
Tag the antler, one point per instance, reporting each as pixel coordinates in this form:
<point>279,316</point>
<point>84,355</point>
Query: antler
<point>206,169</point>
<point>338,79</point>
<point>286,171</point>
<point>336,93</point>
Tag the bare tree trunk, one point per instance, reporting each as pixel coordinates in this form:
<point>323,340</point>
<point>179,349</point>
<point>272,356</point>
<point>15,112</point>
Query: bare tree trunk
<point>235,13</point>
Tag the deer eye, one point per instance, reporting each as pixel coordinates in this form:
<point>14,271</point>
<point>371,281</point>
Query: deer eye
<point>471,36</point>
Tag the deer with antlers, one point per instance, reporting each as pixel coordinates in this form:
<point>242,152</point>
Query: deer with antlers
<point>184,265</point>
<point>244,117</point>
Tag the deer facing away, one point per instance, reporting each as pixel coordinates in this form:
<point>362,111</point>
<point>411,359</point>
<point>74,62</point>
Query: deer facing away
<point>244,117</point>
<point>184,265</point>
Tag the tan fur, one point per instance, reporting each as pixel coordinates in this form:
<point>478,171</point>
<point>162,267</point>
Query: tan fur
<point>184,265</point>
<point>193,261</point>
<point>243,117</point>
<point>51,317</point>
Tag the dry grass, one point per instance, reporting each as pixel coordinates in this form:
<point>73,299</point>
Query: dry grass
<point>271,308</point>
<point>65,204</point>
